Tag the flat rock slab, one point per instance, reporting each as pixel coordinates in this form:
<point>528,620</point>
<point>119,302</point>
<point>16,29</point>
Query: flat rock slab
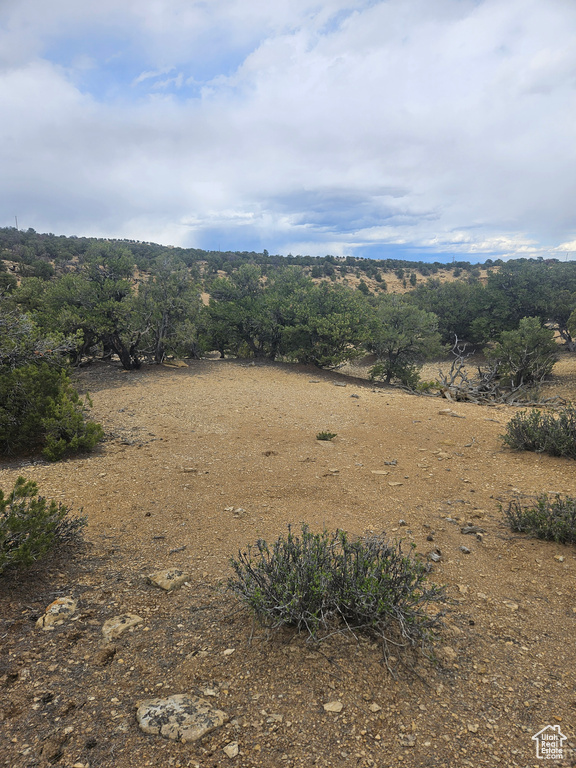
<point>180,718</point>
<point>57,612</point>
<point>169,580</point>
<point>113,628</point>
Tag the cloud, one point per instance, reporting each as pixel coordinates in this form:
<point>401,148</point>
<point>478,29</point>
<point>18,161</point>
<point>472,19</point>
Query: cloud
<point>307,126</point>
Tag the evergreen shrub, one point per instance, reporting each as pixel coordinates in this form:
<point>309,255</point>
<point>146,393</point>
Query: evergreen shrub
<point>31,526</point>
<point>39,409</point>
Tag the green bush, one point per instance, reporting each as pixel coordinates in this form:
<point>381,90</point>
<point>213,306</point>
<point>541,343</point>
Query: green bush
<point>543,432</point>
<point>65,427</point>
<point>39,409</point>
<point>326,435</point>
<point>408,375</point>
<point>319,583</point>
<point>552,520</point>
<point>31,526</point>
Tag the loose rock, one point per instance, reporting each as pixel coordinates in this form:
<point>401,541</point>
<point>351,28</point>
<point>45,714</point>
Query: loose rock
<point>113,628</point>
<point>231,750</point>
<point>57,612</point>
<point>168,580</point>
<point>180,718</point>
<point>334,706</point>
<point>472,529</point>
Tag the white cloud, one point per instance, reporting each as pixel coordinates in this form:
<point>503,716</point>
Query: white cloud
<point>307,126</point>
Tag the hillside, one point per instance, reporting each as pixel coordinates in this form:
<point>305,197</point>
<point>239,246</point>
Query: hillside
<point>204,459</point>
<point>29,253</point>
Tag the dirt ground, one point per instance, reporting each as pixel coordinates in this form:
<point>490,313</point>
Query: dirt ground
<point>187,448</point>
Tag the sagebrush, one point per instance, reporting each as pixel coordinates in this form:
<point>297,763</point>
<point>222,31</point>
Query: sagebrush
<point>544,432</point>
<point>325,582</point>
<point>31,526</point>
<point>552,519</point>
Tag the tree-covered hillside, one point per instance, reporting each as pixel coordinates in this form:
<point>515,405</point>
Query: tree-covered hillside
<point>86,298</point>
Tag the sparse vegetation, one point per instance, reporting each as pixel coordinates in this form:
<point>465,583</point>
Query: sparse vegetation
<point>550,519</point>
<point>31,526</point>
<point>325,582</point>
<point>543,432</point>
<point>326,435</point>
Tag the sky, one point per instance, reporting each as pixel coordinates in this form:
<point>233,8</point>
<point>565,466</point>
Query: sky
<point>417,129</point>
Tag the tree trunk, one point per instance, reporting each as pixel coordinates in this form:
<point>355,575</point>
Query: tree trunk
<point>128,357</point>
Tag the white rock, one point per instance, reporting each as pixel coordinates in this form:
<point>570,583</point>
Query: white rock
<point>57,612</point>
<point>168,580</point>
<point>113,628</point>
<point>231,750</point>
<point>334,706</point>
<point>180,718</point>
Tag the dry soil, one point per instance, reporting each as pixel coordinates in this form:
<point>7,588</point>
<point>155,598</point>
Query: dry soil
<point>189,447</point>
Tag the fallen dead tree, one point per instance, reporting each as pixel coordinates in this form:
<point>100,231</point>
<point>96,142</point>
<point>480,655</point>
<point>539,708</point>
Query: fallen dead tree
<point>486,385</point>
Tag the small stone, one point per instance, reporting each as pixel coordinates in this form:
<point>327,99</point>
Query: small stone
<point>228,651</point>
<point>232,749</point>
<point>473,727</point>
<point>449,653</point>
<point>168,580</point>
<point>393,485</point>
<point>180,718</point>
<point>380,472</point>
<point>465,550</point>
<point>402,522</point>
<point>334,706</point>
<point>511,605</point>
<point>560,558</point>
<point>57,612</point>
<point>105,655</point>
<point>113,628</point>
<point>408,740</point>
<point>472,529</point>
<point>340,384</point>
<point>434,556</point>
<point>450,412</point>
<point>375,707</point>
